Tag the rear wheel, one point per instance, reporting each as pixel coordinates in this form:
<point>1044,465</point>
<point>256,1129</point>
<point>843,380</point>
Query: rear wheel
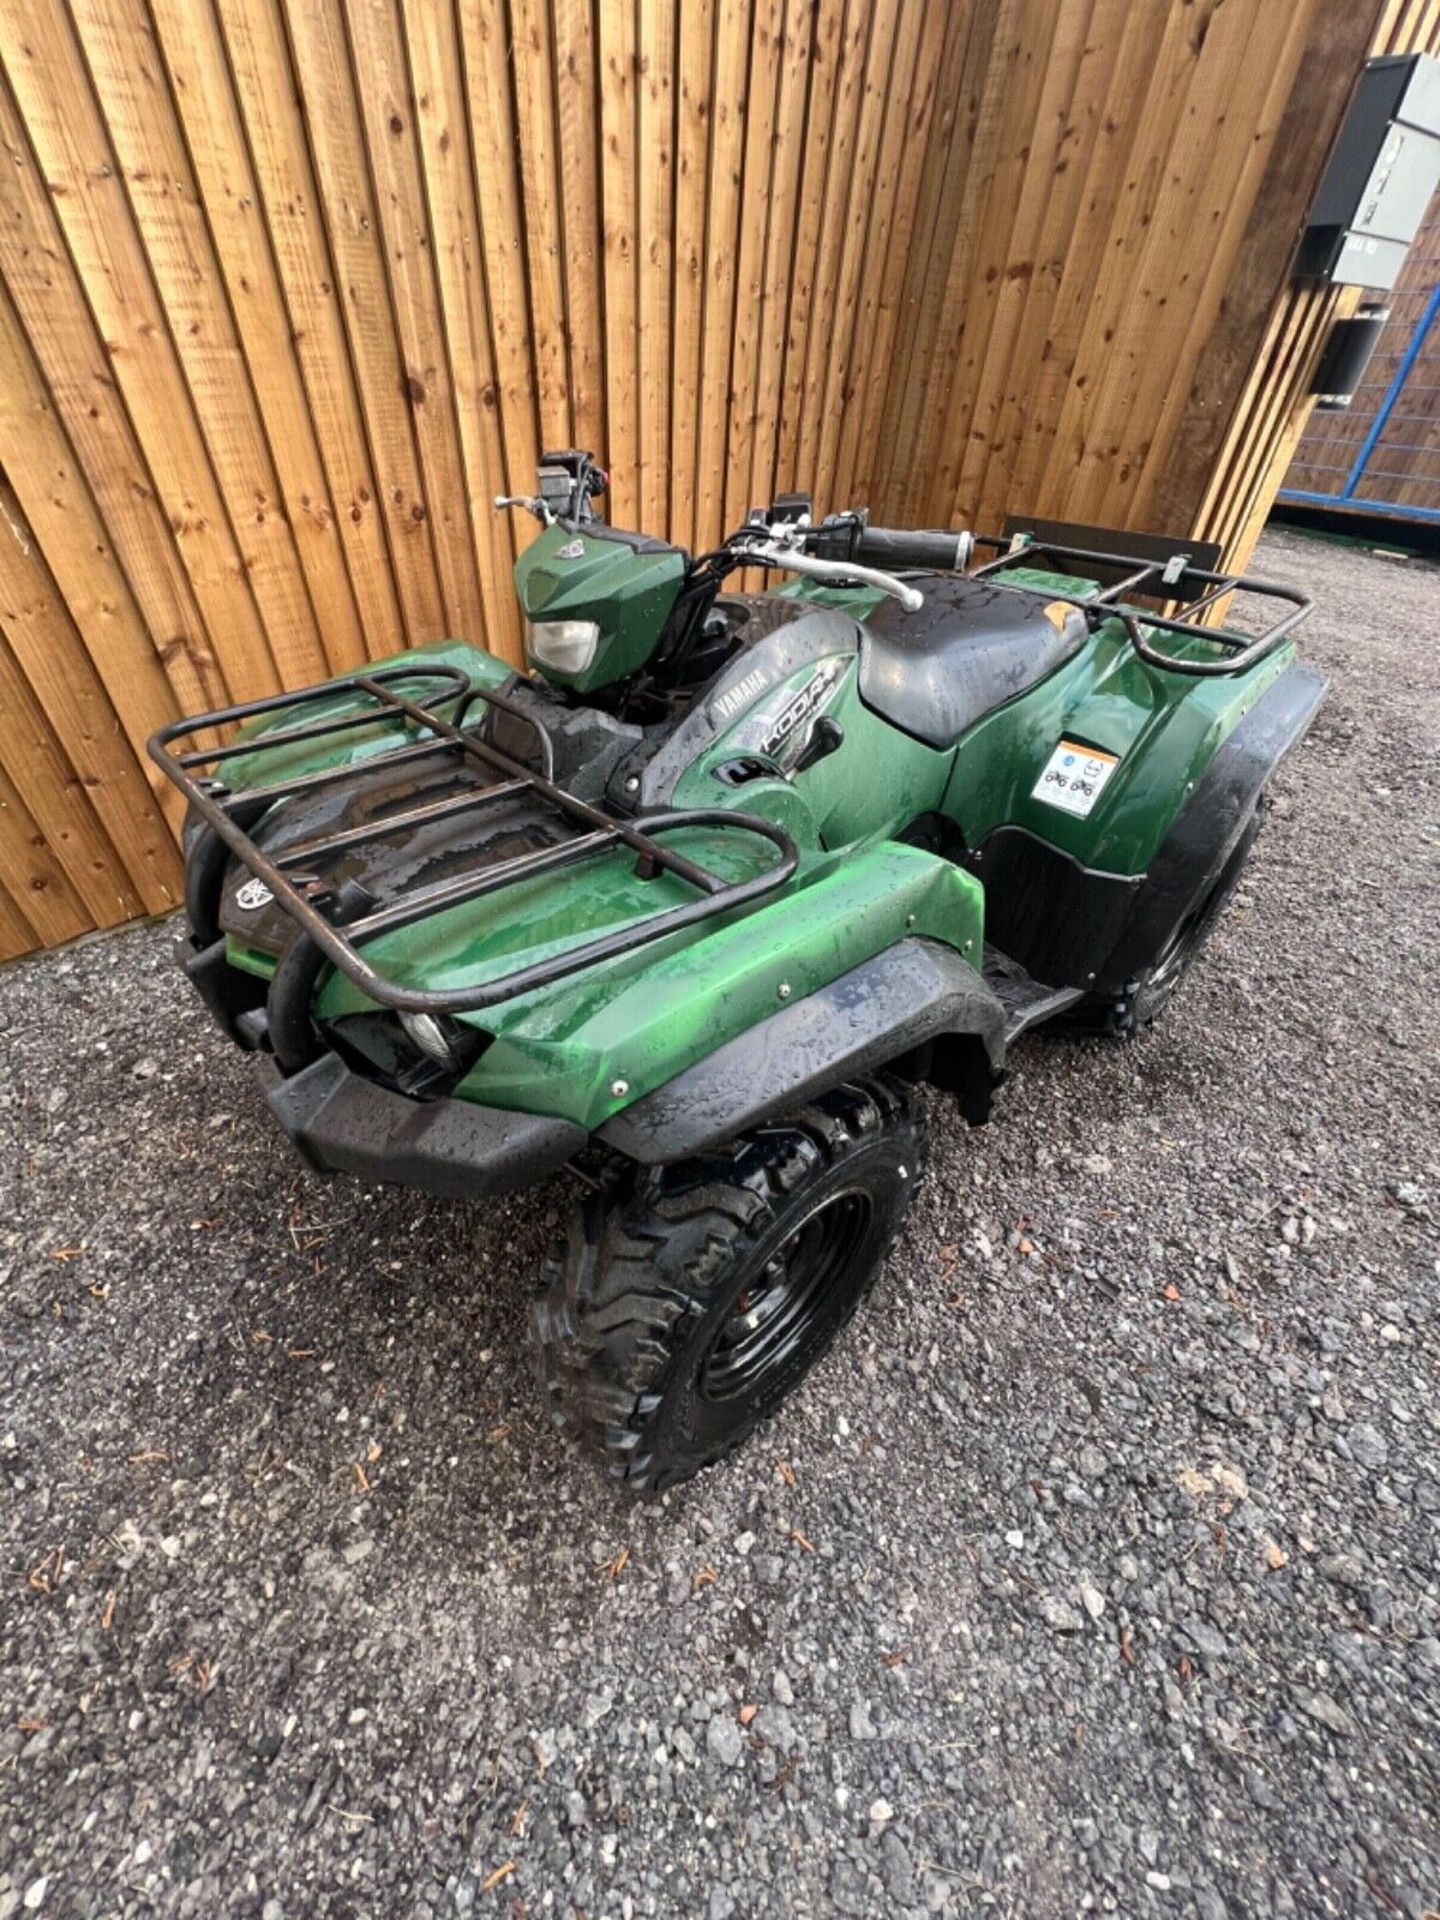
<point>1142,1000</point>
<point>691,1299</point>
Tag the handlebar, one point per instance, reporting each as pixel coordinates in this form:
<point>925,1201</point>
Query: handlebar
<point>843,572</point>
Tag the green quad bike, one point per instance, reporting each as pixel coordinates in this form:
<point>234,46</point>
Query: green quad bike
<point>702,897</point>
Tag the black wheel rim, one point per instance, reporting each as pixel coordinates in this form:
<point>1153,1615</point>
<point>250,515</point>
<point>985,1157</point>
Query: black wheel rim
<point>785,1303</point>
<point>1174,955</point>
<point>1178,951</point>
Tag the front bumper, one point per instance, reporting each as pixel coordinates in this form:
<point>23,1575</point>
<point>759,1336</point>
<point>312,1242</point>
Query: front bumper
<point>343,1124</point>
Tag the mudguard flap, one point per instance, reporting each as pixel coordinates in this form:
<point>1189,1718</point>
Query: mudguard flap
<point>1213,818</point>
<point>912,993</point>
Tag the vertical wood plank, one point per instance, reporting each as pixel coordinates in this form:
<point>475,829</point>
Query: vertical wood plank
<point>46,649</point>
<point>828,29</point>
<point>1223,382</point>
<point>442,119</point>
<point>269,101</point>
<point>490,112</point>
<point>52,791</point>
<point>656,84</point>
<point>834,395</point>
<point>17,936</point>
<point>1219,212</point>
<point>32,875</point>
<point>766,66</point>
<point>139,111</point>
<point>902,153</point>
<point>963,302</point>
<point>618,200</point>
<point>1229,72</point>
<point>1037,474</point>
<point>320,52</point>
<point>388,123</point>
<point>993,483</point>
<point>729,106</point>
<point>151,667</point>
<point>780,241</point>
<point>74,159</point>
<point>692,159</point>
<point>535,130</point>
<point>971,35</point>
<point>194,54</point>
<point>578,120</point>
<point>1003,272</point>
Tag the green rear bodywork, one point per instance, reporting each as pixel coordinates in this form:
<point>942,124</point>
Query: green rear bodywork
<point>636,1021</point>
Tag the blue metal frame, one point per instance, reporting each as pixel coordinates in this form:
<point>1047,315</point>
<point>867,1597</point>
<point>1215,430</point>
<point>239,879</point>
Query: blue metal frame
<point>1349,495</point>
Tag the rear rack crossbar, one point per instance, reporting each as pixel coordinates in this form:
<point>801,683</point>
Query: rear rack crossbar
<point>332,922</point>
<point>1153,579</point>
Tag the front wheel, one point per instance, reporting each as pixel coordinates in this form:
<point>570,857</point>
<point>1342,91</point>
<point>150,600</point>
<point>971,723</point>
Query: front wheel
<point>692,1298</point>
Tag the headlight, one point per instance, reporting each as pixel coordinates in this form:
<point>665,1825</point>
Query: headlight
<point>430,1036</point>
<point>567,646</point>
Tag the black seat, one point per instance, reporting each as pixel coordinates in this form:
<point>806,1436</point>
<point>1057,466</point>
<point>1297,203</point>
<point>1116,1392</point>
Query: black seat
<point>971,647</point>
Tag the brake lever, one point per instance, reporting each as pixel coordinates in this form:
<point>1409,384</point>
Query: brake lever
<point>532,503</point>
<point>844,573</point>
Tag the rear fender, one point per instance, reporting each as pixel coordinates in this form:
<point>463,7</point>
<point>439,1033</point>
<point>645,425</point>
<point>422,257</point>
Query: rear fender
<point>1209,825</point>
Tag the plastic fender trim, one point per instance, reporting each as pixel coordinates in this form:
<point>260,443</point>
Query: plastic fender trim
<point>912,993</point>
<point>1213,818</point>
<point>1046,909</point>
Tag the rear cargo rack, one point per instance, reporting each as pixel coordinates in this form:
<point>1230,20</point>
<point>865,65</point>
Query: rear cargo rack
<point>334,923</point>
<point>1176,578</point>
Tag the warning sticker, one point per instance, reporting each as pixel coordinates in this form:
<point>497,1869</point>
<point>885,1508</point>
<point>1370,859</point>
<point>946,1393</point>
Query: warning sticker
<point>1074,777</point>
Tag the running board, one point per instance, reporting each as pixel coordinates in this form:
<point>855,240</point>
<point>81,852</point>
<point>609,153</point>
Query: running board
<point>1027,1001</point>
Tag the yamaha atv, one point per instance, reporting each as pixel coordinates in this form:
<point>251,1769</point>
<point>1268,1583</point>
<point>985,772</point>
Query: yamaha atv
<point>695,904</point>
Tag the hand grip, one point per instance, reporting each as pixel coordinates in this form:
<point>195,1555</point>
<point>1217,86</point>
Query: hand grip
<point>941,550</point>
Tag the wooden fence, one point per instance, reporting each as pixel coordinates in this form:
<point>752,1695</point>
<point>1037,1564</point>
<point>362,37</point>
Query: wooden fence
<point>290,288</point>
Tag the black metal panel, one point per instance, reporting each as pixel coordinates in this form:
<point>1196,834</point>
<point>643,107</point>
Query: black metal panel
<point>1379,178</point>
<point>1349,348</point>
<point>1129,547</point>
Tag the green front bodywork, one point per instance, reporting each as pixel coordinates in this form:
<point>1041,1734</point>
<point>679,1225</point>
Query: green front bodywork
<point>636,1021</point>
<point>628,594</point>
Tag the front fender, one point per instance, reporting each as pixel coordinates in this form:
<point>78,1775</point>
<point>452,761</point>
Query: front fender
<point>915,992</point>
<point>587,1049</point>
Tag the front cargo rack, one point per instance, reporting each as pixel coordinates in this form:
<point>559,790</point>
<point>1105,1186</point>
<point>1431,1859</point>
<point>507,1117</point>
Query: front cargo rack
<point>1167,580</point>
<point>333,923</point>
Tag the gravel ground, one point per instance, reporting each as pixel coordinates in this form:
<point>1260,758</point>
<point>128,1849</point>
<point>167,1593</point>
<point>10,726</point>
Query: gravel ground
<point>1096,1571</point>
